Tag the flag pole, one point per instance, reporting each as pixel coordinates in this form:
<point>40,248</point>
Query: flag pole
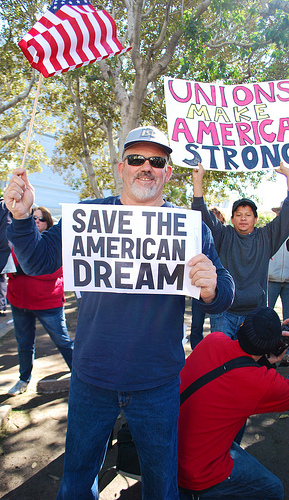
<point>31,120</point>
<point>30,126</point>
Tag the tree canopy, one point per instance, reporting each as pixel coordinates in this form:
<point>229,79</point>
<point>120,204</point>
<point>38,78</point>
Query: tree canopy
<point>94,107</point>
<point>17,90</point>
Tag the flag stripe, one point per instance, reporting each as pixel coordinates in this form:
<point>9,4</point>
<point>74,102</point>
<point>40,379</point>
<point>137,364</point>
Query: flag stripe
<point>111,31</point>
<point>70,37</point>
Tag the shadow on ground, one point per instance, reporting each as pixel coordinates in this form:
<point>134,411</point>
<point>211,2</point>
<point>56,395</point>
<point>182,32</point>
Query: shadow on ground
<point>32,441</point>
<point>33,437</point>
<point>44,484</point>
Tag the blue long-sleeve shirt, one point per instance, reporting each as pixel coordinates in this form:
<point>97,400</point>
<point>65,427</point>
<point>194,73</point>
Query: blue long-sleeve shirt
<point>123,341</point>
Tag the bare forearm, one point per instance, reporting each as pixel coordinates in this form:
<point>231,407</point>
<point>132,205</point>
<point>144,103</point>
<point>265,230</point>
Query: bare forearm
<point>198,189</point>
<point>198,174</point>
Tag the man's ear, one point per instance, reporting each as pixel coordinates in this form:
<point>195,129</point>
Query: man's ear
<point>168,173</point>
<point>120,168</point>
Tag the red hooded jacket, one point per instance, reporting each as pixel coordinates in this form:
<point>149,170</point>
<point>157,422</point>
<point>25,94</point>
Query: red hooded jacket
<point>35,292</point>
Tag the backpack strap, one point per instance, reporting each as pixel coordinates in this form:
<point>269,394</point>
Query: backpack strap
<point>240,362</point>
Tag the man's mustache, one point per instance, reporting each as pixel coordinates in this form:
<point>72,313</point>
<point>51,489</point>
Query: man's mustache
<point>147,175</point>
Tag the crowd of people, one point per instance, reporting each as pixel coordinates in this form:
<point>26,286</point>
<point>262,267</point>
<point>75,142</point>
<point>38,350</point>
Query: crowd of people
<point>128,349</point>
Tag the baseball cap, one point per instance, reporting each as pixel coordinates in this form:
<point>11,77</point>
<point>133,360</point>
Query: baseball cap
<point>147,134</point>
<point>260,332</point>
<point>242,202</point>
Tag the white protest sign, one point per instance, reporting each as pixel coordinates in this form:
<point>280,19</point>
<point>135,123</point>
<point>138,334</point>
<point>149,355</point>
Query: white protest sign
<point>235,128</point>
<point>129,249</point>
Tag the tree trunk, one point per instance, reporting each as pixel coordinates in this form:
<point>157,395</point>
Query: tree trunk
<point>87,163</point>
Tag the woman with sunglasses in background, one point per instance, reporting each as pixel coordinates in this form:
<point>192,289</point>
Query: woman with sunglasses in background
<point>37,297</point>
<point>43,218</point>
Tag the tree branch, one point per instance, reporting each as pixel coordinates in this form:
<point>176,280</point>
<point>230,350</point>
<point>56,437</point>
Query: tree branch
<point>179,176</point>
<point>161,65</point>
<point>271,7</point>
<point>161,38</point>
<point>19,97</point>
<point>17,133</point>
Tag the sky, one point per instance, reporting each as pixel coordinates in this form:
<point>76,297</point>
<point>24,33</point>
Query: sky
<point>271,193</point>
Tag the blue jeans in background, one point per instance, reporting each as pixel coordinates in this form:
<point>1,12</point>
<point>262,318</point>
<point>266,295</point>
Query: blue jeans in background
<point>249,480</point>
<point>227,323</point>
<point>53,320</point>
<point>3,292</point>
<point>276,288</point>
<point>197,325</point>
<point>152,416</point>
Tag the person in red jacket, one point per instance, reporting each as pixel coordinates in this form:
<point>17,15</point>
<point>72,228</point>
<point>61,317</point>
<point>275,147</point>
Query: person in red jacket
<point>211,464</point>
<point>42,298</point>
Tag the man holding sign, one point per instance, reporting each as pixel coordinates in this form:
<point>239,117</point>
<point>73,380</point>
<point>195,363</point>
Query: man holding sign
<point>244,250</point>
<point>128,346</point>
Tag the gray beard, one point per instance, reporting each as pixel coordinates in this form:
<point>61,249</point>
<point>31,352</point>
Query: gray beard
<point>143,193</point>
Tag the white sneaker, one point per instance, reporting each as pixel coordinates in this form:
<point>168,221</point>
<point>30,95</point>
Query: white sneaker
<point>18,388</point>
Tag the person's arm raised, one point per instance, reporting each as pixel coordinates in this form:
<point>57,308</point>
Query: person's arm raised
<point>284,171</point>
<point>19,194</point>
<point>198,174</point>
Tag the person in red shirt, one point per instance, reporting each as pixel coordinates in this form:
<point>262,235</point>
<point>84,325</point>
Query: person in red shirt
<point>211,464</point>
<point>37,297</point>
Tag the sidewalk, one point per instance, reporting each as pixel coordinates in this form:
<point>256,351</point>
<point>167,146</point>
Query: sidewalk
<point>32,440</point>
<point>6,322</point>
<point>33,435</point>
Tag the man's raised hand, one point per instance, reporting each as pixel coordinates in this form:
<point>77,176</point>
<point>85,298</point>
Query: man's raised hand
<point>19,194</point>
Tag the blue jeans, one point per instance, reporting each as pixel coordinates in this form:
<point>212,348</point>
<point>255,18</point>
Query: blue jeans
<point>152,416</point>
<point>53,320</point>
<point>275,289</point>
<point>248,480</point>
<point>227,323</point>
<point>3,291</point>
<point>197,325</point>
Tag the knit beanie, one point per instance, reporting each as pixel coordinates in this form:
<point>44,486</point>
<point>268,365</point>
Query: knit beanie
<point>260,332</point>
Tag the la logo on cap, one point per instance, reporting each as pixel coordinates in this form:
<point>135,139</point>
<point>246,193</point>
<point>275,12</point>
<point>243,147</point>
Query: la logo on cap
<point>148,132</point>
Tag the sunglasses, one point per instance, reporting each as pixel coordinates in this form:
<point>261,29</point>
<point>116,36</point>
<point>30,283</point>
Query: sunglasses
<point>41,219</point>
<point>138,160</point>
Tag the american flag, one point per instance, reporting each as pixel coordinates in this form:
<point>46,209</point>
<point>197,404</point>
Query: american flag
<point>70,34</point>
